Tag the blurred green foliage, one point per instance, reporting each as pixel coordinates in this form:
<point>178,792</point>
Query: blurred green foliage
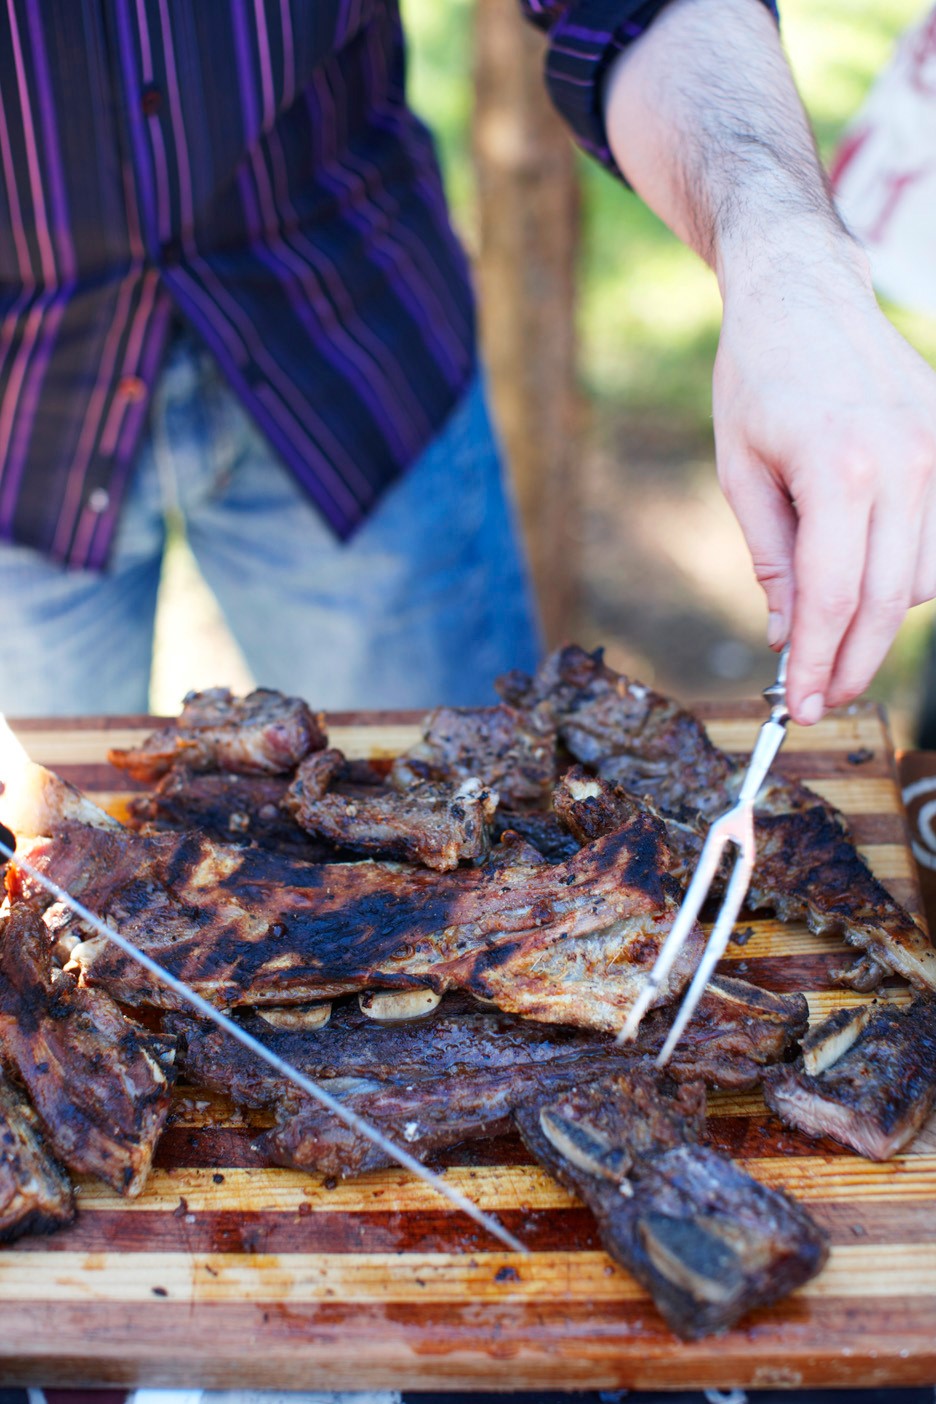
<point>648,309</point>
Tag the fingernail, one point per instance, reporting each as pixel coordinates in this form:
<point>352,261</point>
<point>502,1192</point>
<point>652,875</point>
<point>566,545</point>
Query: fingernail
<point>811,710</point>
<point>774,628</point>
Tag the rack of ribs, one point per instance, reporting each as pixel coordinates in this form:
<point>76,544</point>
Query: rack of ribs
<point>708,1242</point>
<point>460,1072</point>
<point>565,943</point>
<point>100,1083</point>
<point>867,1078</point>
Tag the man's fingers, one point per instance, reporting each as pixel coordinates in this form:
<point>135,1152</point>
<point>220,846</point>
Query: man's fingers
<point>767,519</point>
<point>924,578</point>
<point>831,548</point>
<point>886,594</point>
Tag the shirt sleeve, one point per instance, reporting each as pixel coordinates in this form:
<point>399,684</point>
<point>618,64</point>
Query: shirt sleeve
<point>584,37</point>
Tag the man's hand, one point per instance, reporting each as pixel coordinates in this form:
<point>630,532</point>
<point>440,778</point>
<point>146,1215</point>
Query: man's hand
<point>825,419</point>
<point>825,422</point>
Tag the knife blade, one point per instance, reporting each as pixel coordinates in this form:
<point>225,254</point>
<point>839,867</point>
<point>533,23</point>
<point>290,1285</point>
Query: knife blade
<point>285,1069</point>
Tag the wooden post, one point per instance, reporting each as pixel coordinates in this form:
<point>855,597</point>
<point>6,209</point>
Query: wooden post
<point>528,216</point>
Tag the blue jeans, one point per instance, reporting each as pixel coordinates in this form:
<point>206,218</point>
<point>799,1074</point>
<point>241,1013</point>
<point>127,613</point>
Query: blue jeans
<point>426,604</point>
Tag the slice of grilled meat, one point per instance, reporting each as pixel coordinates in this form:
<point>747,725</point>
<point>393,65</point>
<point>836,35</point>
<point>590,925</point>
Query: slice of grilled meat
<point>100,1084</point>
<point>264,733</point>
<point>229,808</point>
<point>36,1195</point>
<point>643,741</point>
<point>806,867</point>
<point>508,750</point>
<point>728,1042</point>
<point>437,824</point>
<point>565,943</point>
<point>708,1242</point>
<point>867,1080</point>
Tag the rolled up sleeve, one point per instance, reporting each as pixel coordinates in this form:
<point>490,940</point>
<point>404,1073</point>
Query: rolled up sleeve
<point>584,38</point>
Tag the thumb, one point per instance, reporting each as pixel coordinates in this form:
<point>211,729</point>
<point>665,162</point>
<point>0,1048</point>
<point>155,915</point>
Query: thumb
<point>768,520</point>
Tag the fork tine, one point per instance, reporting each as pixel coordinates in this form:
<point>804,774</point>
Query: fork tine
<point>690,907</point>
<point>714,948</point>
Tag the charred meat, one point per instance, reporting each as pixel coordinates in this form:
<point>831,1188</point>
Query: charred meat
<point>509,750</point>
<point>641,740</point>
<point>867,1078</point>
<point>229,808</point>
<point>708,1242</point>
<point>806,867</point>
<point>100,1084</point>
<point>727,1043</point>
<point>437,824</point>
<point>36,1195</point>
<point>539,828</point>
<point>564,943</point>
<point>264,733</point>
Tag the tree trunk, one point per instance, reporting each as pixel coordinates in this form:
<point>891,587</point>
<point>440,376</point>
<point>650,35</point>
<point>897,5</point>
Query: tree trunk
<point>528,231</point>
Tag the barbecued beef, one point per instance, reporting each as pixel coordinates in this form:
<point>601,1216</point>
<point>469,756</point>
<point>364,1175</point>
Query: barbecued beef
<point>36,1195</point>
<point>460,1072</point>
<point>540,828</point>
<point>565,943</point>
<point>806,866</point>
<point>100,1084</point>
<point>734,1033</point>
<point>866,1079</point>
<point>708,1242</point>
<point>264,733</point>
<point>436,824</point>
<point>510,751</point>
<point>229,808</point>
<point>644,742</point>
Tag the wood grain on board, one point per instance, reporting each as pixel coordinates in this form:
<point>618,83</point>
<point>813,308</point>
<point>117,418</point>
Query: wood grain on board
<point>226,1273</point>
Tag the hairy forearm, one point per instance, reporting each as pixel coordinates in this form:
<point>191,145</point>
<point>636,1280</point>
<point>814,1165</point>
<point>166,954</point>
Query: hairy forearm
<point>704,119</point>
<point>825,419</point>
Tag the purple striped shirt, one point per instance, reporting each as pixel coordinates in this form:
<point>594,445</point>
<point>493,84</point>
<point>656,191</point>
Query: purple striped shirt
<point>251,166</point>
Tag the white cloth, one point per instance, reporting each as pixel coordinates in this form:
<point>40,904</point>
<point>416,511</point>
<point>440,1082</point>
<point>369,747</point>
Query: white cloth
<point>884,174</point>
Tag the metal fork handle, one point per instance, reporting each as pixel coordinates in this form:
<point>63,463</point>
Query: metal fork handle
<point>732,826</point>
<point>770,737</point>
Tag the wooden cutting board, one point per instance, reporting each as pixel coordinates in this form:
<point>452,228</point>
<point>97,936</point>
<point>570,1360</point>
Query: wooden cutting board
<point>226,1274</point>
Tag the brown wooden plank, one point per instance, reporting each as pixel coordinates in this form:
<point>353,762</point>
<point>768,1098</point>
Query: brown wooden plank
<point>283,1277</point>
<point>444,1345</point>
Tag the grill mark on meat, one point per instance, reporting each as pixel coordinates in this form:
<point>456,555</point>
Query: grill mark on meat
<point>877,1094</point>
<point>707,1241</point>
<point>100,1084</point>
<point>36,1195</point>
<point>806,867</point>
<point>580,934</point>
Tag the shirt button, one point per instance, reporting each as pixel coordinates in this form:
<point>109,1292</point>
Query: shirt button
<point>150,101</point>
<point>132,388</point>
<point>99,500</point>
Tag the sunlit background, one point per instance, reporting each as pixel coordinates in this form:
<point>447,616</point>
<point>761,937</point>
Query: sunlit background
<point>667,584</point>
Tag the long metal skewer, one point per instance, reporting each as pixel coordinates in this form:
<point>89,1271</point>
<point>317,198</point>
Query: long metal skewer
<point>305,1084</point>
<point>735,826</point>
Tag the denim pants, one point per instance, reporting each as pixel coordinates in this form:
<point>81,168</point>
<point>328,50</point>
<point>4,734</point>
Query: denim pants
<point>426,604</point>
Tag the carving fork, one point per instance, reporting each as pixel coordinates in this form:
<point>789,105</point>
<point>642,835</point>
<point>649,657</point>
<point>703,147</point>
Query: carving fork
<point>735,826</point>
